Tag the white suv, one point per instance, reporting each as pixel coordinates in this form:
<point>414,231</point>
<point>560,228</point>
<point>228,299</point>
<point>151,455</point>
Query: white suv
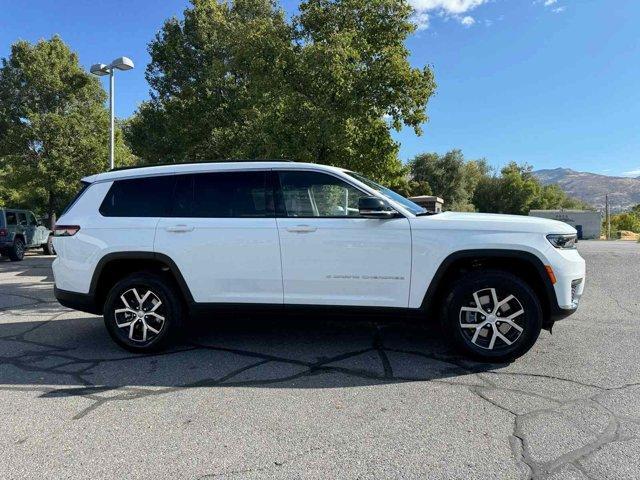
<point>146,246</point>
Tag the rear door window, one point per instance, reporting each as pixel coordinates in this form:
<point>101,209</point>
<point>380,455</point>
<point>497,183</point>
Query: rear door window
<point>223,195</point>
<point>138,197</point>
<point>22,219</point>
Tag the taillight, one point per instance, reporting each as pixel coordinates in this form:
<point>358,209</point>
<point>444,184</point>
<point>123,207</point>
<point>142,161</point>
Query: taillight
<point>66,230</point>
<point>3,232</point>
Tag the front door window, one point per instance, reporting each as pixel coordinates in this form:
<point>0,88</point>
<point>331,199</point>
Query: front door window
<point>318,195</point>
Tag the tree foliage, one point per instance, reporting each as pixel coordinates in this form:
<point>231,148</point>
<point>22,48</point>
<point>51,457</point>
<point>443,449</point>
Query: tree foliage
<point>448,176</point>
<point>629,221</point>
<point>53,125</point>
<point>468,185</point>
<point>238,79</point>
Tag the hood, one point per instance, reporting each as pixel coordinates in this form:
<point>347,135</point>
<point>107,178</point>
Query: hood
<point>494,222</point>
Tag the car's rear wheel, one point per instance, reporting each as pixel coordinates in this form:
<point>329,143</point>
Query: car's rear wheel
<point>492,316</point>
<point>142,312</point>
<point>16,252</point>
<point>48,247</point>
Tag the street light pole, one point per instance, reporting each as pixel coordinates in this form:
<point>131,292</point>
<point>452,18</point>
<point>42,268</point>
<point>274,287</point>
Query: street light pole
<point>112,92</point>
<point>100,69</point>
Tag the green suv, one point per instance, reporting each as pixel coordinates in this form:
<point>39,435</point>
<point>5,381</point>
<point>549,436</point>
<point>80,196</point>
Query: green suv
<point>19,231</point>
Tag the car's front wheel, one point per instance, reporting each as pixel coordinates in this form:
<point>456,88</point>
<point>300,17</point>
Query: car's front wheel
<point>142,312</point>
<point>492,316</point>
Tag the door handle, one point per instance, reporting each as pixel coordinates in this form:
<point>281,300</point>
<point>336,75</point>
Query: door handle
<point>302,229</point>
<point>179,229</point>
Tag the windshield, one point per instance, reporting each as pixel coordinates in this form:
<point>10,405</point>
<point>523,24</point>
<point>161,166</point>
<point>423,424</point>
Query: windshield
<point>390,194</point>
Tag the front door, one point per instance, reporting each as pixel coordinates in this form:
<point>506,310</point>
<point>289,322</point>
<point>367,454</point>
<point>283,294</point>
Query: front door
<point>221,233</point>
<point>331,255</point>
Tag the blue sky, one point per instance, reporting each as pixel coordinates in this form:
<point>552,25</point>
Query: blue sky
<point>548,82</point>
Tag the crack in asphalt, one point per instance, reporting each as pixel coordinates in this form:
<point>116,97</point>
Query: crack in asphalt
<point>62,361</point>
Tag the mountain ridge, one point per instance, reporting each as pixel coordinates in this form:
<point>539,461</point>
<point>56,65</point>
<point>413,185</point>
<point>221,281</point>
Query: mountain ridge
<point>591,188</point>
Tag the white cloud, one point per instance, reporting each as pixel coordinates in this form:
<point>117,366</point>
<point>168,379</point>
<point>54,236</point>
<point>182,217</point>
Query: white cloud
<point>446,8</point>
<point>421,19</point>
<point>467,21</point>
<point>632,173</point>
<point>552,5</point>
<point>451,7</point>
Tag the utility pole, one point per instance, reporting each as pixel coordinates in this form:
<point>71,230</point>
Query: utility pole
<point>607,218</point>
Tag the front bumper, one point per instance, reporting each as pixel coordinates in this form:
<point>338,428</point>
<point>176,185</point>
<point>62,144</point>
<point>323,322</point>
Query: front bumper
<point>570,272</point>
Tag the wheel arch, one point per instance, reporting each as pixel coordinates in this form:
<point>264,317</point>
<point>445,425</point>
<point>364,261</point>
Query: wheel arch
<point>523,264</point>
<point>115,266</point>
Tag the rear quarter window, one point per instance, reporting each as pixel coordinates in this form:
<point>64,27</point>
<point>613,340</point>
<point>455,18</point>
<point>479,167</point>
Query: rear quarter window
<point>138,197</point>
<point>12,219</point>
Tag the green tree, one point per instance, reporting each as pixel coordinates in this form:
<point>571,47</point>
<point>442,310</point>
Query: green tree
<point>448,176</point>
<point>517,191</point>
<point>238,79</point>
<point>53,125</point>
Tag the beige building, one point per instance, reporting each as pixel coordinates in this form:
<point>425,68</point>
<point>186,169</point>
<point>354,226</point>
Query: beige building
<point>587,223</point>
<point>431,203</point>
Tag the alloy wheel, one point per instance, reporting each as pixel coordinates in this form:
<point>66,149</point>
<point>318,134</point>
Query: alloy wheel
<point>141,315</point>
<point>19,249</point>
<point>492,321</point>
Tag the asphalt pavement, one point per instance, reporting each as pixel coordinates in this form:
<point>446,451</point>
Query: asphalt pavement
<point>319,398</point>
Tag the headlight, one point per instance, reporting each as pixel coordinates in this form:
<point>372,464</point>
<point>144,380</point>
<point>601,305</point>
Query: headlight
<point>563,241</point>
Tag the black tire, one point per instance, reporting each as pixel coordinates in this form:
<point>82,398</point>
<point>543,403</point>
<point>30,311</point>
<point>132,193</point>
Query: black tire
<point>48,248</point>
<point>130,337</point>
<point>480,346</point>
<point>16,252</point>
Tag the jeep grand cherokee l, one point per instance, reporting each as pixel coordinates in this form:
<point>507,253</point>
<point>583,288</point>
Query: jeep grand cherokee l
<point>147,246</point>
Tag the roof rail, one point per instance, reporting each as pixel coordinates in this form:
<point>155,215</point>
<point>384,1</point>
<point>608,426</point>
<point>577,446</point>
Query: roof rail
<point>235,160</point>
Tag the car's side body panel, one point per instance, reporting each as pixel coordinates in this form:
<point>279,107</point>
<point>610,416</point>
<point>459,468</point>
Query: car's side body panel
<point>225,260</point>
<point>346,261</point>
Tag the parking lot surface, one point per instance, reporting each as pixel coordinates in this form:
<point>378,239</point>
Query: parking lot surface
<point>319,398</point>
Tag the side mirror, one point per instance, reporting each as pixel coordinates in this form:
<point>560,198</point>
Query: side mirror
<point>374,207</point>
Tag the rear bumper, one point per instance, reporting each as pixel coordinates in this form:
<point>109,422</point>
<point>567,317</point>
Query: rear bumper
<point>77,301</point>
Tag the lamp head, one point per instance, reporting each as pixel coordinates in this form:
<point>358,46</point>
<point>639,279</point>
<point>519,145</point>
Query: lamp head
<point>122,63</point>
<point>99,69</point>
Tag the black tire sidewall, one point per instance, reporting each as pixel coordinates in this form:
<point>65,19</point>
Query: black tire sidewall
<point>17,254</point>
<point>505,282</point>
<point>49,248</point>
<point>164,290</point>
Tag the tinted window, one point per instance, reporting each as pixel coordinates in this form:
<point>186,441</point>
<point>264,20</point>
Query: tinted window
<point>223,195</point>
<point>139,197</point>
<point>22,219</point>
<point>312,194</point>
<point>12,219</point>
<point>32,219</point>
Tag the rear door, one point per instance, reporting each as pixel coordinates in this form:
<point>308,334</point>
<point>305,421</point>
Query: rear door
<point>221,232</point>
<point>332,256</point>
<point>24,229</point>
<point>34,234</point>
